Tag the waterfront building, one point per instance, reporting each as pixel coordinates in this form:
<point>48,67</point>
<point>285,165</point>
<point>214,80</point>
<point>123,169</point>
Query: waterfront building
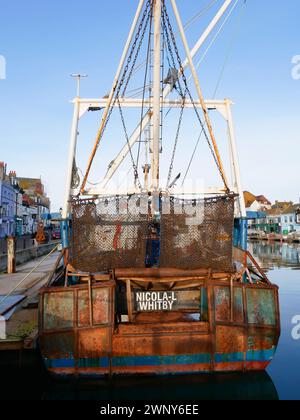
<point>289,220</point>
<point>8,205</point>
<point>256,203</point>
<point>29,216</point>
<point>23,203</point>
<point>18,203</point>
<point>282,218</point>
<point>298,215</point>
<point>256,220</point>
<point>273,221</point>
<point>278,220</point>
<point>282,205</point>
<point>35,200</point>
<point>283,221</point>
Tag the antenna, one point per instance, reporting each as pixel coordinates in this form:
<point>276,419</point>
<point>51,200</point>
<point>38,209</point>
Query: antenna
<point>78,77</point>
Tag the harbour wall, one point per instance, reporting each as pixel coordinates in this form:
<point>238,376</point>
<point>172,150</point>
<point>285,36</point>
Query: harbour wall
<point>28,254</point>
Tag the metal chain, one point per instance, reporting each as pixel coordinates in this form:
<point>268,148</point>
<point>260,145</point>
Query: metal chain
<point>176,141</point>
<point>145,83</point>
<point>122,80</point>
<point>167,19</point>
<point>183,97</point>
<point>140,35</point>
<point>141,32</point>
<point>173,64</point>
<point>136,174</point>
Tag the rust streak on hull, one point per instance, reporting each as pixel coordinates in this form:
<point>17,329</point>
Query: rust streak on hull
<point>82,330</point>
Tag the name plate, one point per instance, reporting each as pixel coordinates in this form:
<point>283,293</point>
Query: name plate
<point>155,301</point>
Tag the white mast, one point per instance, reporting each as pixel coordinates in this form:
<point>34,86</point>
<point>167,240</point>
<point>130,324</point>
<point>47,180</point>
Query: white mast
<point>156,95</point>
<point>167,90</point>
<point>72,150</point>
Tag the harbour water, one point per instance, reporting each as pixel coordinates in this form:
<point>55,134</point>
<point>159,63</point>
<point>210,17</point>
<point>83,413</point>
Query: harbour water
<point>282,262</point>
<point>281,381</point>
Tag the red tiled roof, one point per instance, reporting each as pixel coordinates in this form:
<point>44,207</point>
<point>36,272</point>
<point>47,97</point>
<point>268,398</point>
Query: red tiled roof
<point>250,198</point>
<point>263,200</point>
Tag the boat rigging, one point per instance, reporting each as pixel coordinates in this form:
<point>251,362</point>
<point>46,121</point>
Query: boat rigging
<point>156,279</point>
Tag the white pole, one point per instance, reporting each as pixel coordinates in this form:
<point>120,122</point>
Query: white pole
<point>232,179</point>
<point>72,154</point>
<point>112,92</point>
<point>156,95</point>
<point>135,136</point>
<point>73,147</point>
<point>199,91</point>
<point>210,28</point>
<point>78,78</point>
<point>201,41</point>
<point>235,160</point>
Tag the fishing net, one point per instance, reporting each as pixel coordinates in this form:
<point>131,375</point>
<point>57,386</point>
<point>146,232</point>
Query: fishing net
<point>197,234</point>
<point>109,233</point>
<point>115,233</point>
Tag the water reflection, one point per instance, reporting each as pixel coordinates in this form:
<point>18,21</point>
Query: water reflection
<point>272,255</point>
<point>35,384</point>
<point>253,386</point>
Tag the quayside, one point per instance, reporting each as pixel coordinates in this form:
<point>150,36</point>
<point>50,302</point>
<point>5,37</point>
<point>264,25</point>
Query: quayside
<point>154,279</point>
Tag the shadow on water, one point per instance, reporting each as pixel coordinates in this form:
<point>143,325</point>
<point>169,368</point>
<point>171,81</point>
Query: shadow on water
<point>33,383</point>
<point>254,386</point>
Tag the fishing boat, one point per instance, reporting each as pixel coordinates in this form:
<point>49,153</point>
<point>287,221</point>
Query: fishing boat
<point>155,279</point>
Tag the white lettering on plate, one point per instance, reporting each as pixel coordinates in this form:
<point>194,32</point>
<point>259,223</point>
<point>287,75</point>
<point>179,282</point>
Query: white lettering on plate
<point>155,301</point>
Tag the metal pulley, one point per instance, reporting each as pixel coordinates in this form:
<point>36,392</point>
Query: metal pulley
<point>172,77</point>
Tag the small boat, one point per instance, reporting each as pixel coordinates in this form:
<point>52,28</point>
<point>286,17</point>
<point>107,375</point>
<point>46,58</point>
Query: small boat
<point>153,280</point>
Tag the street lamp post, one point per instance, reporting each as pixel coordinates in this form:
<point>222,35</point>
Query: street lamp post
<point>78,77</point>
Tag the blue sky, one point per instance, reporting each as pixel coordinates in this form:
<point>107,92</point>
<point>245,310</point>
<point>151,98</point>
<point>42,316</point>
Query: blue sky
<point>44,42</point>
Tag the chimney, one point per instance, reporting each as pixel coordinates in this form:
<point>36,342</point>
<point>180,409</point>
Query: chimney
<point>12,177</point>
<point>3,167</point>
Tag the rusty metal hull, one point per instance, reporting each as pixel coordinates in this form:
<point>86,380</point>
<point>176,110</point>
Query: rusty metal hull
<point>81,335</point>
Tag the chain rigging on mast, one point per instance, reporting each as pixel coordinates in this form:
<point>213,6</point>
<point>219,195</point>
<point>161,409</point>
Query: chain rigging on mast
<point>229,51</point>
<point>141,29</point>
<point>188,24</point>
<point>181,93</point>
<point>176,68</point>
<point>145,83</point>
<point>140,35</point>
<point>171,33</point>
